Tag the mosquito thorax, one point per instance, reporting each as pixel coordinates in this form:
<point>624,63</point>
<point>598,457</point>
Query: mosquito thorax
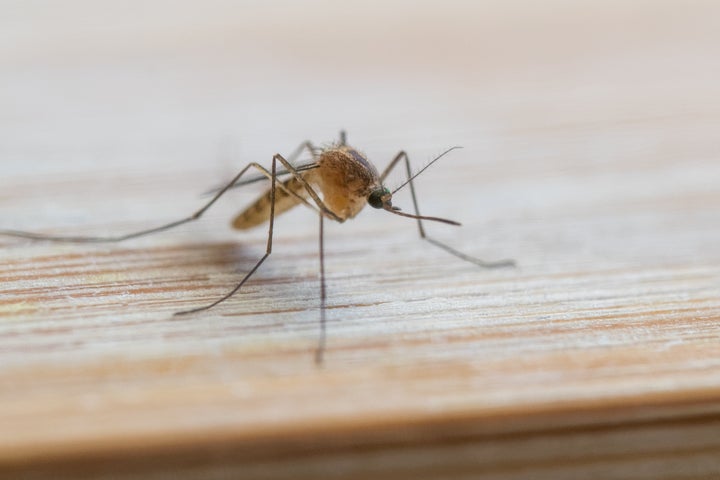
<point>379,197</point>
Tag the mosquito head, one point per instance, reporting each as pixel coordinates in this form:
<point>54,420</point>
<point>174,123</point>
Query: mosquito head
<point>380,197</point>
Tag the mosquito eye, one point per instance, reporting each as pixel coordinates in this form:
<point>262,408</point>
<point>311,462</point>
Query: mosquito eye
<point>375,199</point>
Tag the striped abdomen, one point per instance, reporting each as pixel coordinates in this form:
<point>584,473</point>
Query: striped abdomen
<point>259,212</point>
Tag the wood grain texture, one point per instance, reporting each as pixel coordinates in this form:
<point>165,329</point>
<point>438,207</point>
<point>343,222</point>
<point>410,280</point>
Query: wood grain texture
<point>590,135</point>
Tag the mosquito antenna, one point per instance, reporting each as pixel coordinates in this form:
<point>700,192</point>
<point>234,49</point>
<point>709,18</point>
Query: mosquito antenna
<point>397,211</point>
<point>425,168</point>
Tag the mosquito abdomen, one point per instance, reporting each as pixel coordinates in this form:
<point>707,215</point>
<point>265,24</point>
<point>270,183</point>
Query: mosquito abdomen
<point>259,212</point>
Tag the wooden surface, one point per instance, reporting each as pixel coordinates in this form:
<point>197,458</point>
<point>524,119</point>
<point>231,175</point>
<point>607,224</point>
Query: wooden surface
<point>591,145</point>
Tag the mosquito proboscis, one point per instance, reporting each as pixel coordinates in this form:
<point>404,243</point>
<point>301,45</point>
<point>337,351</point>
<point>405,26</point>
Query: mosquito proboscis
<point>336,184</point>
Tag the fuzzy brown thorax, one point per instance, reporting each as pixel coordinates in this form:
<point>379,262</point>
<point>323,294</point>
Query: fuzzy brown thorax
<point>345,177</point>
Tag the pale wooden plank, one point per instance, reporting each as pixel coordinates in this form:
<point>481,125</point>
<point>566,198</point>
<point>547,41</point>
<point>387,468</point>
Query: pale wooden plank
<point>590,135</point>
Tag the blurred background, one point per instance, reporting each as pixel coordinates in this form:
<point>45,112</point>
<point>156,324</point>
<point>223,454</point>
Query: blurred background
<point>567,110</point>
<point>590,135</point>
<point>621,96</point>
<point>94,81</point>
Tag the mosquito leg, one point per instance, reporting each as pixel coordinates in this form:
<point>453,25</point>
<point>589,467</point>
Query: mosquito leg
<point>167,226</point>
<point>324,210</point>
<point>322,339</point>
<point>307,145</point>
<point>268,249</point>
<point>403,156</point>
<point>297,173</point>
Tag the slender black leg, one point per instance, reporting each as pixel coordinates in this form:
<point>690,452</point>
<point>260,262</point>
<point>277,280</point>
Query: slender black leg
<point>403,156</point>
<point>322,340</point>
<point>268,248</point>
<point>311,191</point>
<point>119,238</point>
<point>321,209</point>
<point>291,159</point>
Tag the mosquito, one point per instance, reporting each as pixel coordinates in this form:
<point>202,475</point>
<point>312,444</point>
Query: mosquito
<point>347,181</point>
